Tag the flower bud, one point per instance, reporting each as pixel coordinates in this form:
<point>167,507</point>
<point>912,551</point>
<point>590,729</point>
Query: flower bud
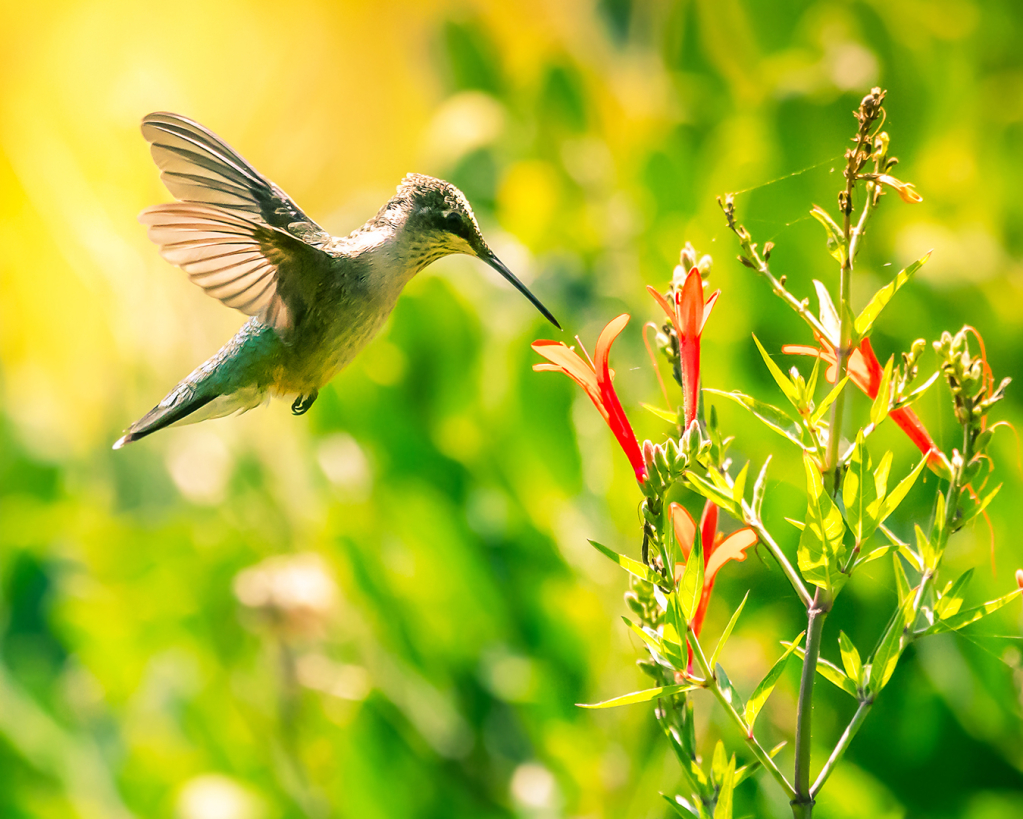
<point>1019,578</point>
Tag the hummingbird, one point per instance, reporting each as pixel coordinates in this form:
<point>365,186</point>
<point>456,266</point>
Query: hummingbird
<point>315,300</point>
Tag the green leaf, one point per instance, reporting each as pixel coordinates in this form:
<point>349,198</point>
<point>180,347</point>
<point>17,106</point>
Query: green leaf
<point>898,494</point>
<point>727,689</point>
<point>829,399</point>
<point>727,632</point>
<point>821,547</point>
<point>836,242</point>
<point>633,567</point>
<point>690,586</point>
<point>651,639</point>
<point>723,808</point>
<point>881,475</point>
<point>975,507</point>
<point>925,546</point>
<point>718,764</point>
<point>851,659</point>
<point>681,806</point>
<point>903,548</point>
<point>882,403</point>
<point>902,587</point>
<point>759,487</point>
<point>739,486</point>
<point>952,598</point>
<point>886,657</point>
<point>833,674</point>
<point>784,382</point>
<point>712,493</point>
<point>641,696</point>
<point>865,320</point>
<point>763,691</point>
<point>664,415</point>
<point>965,618</point>
<point>770,416</point>
<point>859,493</point>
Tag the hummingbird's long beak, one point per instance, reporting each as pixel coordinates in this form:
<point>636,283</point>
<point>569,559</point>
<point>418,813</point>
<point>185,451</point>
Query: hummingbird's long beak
<point>487,255</point>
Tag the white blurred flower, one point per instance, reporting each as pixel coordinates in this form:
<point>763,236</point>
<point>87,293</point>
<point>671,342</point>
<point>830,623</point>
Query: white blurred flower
<point>294,592</point>
<point>214,796</point>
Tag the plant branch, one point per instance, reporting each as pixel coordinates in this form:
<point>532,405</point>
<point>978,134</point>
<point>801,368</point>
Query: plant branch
<point>802,803</point>
<point>843,743</point>
<point>753,520</point>
<point>757,749</point>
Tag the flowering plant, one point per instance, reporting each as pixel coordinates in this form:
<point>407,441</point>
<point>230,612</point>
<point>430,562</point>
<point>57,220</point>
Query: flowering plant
<point>851,500</point>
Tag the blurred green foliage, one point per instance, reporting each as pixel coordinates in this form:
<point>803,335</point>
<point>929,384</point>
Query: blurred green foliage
<point>448,491</point>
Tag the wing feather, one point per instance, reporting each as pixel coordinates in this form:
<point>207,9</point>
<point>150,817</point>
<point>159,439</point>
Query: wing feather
<point>199,167</point>
<point>238,260</point>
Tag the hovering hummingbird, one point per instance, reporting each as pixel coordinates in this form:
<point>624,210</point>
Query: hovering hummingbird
<point>315,299</point>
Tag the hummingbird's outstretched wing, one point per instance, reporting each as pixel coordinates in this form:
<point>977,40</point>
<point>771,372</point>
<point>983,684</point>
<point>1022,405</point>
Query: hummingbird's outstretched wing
<point>198,166</point>
<point>250,266</point>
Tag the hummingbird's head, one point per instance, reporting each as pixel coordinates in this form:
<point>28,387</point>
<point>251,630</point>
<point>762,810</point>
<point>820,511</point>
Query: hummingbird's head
<point>439,221</point>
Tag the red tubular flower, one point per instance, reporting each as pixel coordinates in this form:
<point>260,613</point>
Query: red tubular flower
<point>688,313</point>
<point>865,372</point>
<point>717,549</point>
<point>596,379</point>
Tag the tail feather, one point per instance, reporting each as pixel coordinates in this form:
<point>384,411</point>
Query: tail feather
<point>174,408</point>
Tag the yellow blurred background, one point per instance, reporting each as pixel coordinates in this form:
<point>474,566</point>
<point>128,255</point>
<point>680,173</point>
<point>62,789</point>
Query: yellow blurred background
<point>430,514</point>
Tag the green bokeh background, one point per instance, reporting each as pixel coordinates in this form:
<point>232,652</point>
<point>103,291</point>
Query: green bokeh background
<point>448,490</point>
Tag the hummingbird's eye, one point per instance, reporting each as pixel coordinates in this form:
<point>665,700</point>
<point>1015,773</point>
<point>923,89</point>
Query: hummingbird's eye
<point>453,221</point>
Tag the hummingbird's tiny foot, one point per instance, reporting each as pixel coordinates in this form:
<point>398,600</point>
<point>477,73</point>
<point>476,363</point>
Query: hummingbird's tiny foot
<point>303,402</point>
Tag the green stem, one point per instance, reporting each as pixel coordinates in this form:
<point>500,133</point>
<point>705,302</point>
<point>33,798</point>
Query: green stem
<point>802,803</point>
<point>843,743</point>
<point>776,552</point>
<point>751,742</point>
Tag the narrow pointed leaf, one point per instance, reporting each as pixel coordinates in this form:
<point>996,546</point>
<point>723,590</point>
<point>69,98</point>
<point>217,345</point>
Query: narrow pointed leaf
<point>859,493</point>
<point>708,490</point>
<point>783,381</point>
<point>728,690</point>
<point>898,494</point>
<point>965,618</point>
<point>681,806</point>
<point>882,403</point>
<point>901,581</point>
<point>836,242</point>
<point>821,546</point>
<point>952,599</point>
<point>829,399</point>
<point>690,586</point>
<point>664,415</point>
<point>851,659</point>
<point>833,674</point>
<point>727,632</point>
<point>886,657</point>
<point>881,475</point>
<point>763,691</point>
<point>723,808</point>
<point>865,320</point>
<point>739,487</point>
<point>772,417</point>
<point>759,487</point>
<point>633,567</point>
<point>641,696</point>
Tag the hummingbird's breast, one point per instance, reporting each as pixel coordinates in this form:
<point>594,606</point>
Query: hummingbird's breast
<point>351,306</point>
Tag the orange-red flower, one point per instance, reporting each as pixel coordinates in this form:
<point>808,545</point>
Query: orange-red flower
<point>595,377</point>
<point>688,313</point>
<point>904,189</point>
<point>717,549</point>
<point>865,372</point>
